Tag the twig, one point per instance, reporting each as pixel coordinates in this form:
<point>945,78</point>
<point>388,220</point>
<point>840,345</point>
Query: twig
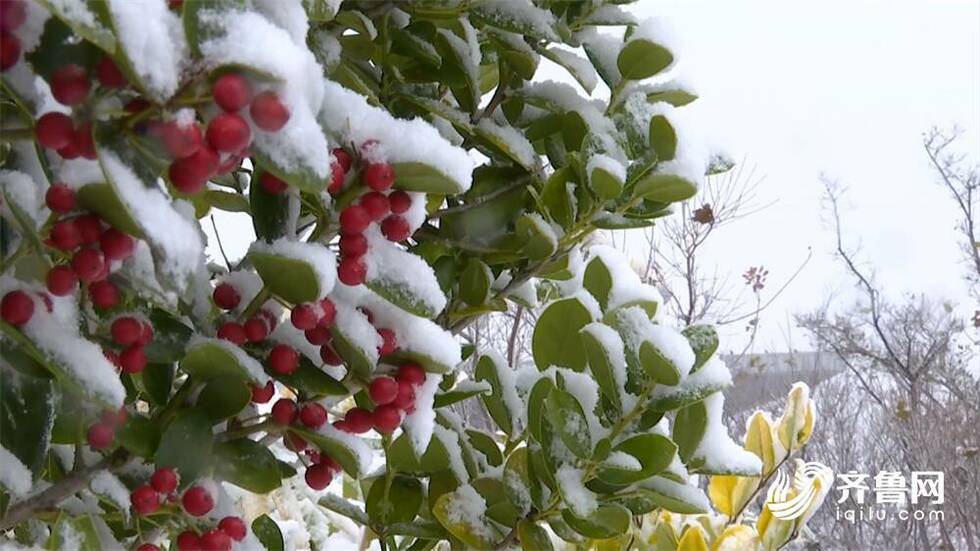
<point>221,247</point>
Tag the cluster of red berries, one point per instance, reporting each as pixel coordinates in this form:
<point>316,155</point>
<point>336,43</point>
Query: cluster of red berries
<point>102,434</point>
<point>70,85</point>
<point>255,329</point>
<point>312,415</point>
<point>94,245</point>
<point>198,155</point>
<point>13,13</point>
<point>132,334</point>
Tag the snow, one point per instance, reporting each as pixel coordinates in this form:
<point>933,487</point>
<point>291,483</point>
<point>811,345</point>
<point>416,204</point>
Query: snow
<point>354,443</point>
<point>20,188</point>
<point>175,239</point>
<point>679,491</point>
<point>713,374</point>
<point>420,424</point>
<point>564,96</point>
<point>658,30</point>
<point>717,449</point>
<point>108,485</point>
<point>520,494</point>
<point>545,229</point>
<point>288,14</point>
<point>521,13</point>
<point>467,507</point>
<point>285,332</point>
<point>251,366</point>
<point>610,14</point>
<point>75,11</point>
<point>152,37</point>
<point>318,257</point>
<point>580,499</point>
<point>351,120</point>
<point>603,50</point>
<point>604,162</point>
<point>79,172</point>
<point>253,41</point>
<point>581,68</point>
<point>508,389</point>
<point>612,344</point>
<point>514,141</point>
<point>327,47</point>
<point>14,475</point>
<point>627,288</point>
<point>393,268</point>
<point>357,330</point>
<point>450,440</point>
<point>525,293</point>
<point>624,461</point>
<point>673,346</point>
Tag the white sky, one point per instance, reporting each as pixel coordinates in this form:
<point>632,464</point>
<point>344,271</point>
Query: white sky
<point>844,87</point>
<point>841,87</point>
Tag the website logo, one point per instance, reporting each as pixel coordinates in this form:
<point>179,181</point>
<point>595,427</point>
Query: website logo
<point>788,498</point>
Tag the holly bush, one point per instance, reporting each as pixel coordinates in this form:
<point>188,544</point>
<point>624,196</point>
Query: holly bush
<point>405,171</point>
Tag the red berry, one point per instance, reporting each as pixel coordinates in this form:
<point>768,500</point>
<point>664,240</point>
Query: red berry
<point>400,201</point>
<point>71,150</point>
<point>85,141</point>
<point>226,296</point>
<point>330,356</point>
<point>318,476</point>
<point>343,158</point>
<point>234,527</point>
<point>396,228</point>
<point>126,330</point>
<point>54,130</point>
<point>61,281</point>
<point>272,184</point>
<point>351,271</point>
<point>354,245</point>
<point>256,330</point>
<point>13,13</point>
<point>190,174</point>
<point>412,374</point>
<point>283,359</point>
<point>17,308</point>
<point>88,264</point>
<point>386,419</point>
<point>164,480</point>
<point>383,390</point>
<point>268,112</point>
<point>231,92</point>
<point>89,227</point>
<point>329,462</point>
<point>136,105</point>
<point>197,501</point>
<point>114,417</point>
<point>318,335</point>
<point>215,540</point>
<point>405,399</point>
<point>116,245</point>
<point>146,335</point>
<point>104,294</point>
<point>65,235</point>
<point>354,219</point>
<point>109,74</point>
<point>262,394</point>
<point>379,176</point>
<point>304,317</point>
<point>147,547</point>
<point>70,85</point>
<point>233,332</point>
<point>229,133</point>
<point>389,343</point>
<point>341,425</point>
<point>313,415</point>
<point>133,359</point>
<point>328,311</point>
<point>270,319</point>
<point>359,420</point>
<point>284,411</point>
<point>182,140</point>
<point>336,179</point>
<point>376,203</point>
<point>188,541</point>
<point>60,198</point>
<point>230,164</point>
<point>100,436</point>
<point>9,50</point>
<point>145,500</point>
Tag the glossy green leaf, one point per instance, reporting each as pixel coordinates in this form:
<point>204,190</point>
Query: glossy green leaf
<point>535,407</point>
<point>689,429</point>
<point>170,337</point>
<point>533,537</point>
<point>270,211</point>
<point>190,430</point>
<point>311,380</point>
<point>665,187</point>
<point>102,199</point>
<point>93,29</point>
<point>609,520</point>
<point>415,176</point>
<point>555,340</point>
<point>473,532</point>
<point>294,280</point>
<point>640,59</point>
<point>247,464</point>
<point>538,239</point>
<point>475,282</point>
<point>704,342</point>
<point>398,502</point>
<point>208,360</point>
<point>598,281</point>
<point>139,435</point>
<point>224,397</point>
<point>486,370</point>
<point>336,448</point>
<point>653,451</point>
<point>663,138</point>
<point>485,444</point>
<point>567,417</point>
<point>268,533</point>
<point>601,364</point>
<point>27,416</point>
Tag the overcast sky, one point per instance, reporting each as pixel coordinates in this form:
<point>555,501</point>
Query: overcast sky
<point>844,87</point>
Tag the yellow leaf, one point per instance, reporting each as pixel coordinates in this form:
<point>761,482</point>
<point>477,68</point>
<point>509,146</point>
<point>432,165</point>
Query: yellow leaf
<point>794,416</point>
<point>720,489</point>
<point>759,440</point>
<point>663,538</point>
<point>773,532</point>
<point>807,430</point>
<point>692,540</point>
<point>736,538</point>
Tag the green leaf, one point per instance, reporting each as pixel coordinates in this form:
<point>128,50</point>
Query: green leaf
<point>496,495</point>
<point>139,435</point>
<point>211,359</point>
<point>665,187</point>
<point>320,10</point>
<point>605,184</point>
<point>475,282</point>
<point>102,200</point>
<point>557,199</point>
<point>704,342</point>
<point>157,380</point>
<point>301,177</point>
<point>598,281</point>
<point>455,395</point>
<point>416,176</point>
<point>336,448</point>
<point>533,537</point>
<point>485,444</point>
<point>196,27</point>
<point>659,366</point>
<point>267,532</point>
<point>224,397</point>
<point>522,18</point>
<point>296,281</point>
<point>487,370</point>
<point>609,520</point>
<point>270,211</point>
<point>600,363</point>
<point>689,428</point>
<point>675,496</point>
<point>93,29</point>
<point>229,202</point>
<point>473,532</point>
<point>580,69</point>
<point>399,502</point>
<point>247,464</point>
<point>537,237</point>
<point>640,59</point>
<point>678,97</point>
<point>170,338</point>
<point>663,138</point>
<point>654,452</point>
<point>85,534</point>
<point>186,445</point>
<point>567,417</point>
<point>388,281</point>
<point>27,416</point>
<point>535,406</point>
<point>311,380</point>
<point>555,340</point>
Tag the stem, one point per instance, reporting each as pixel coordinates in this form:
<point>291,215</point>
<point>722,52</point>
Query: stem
<point>257,302</point>
<point>242,432</point>
<point>762,483</point>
